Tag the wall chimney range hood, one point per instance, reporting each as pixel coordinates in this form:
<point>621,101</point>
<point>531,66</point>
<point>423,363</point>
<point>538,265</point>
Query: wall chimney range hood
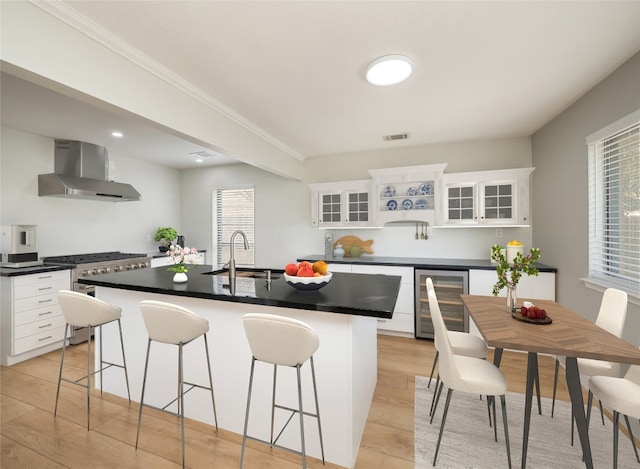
<point>81,172</point>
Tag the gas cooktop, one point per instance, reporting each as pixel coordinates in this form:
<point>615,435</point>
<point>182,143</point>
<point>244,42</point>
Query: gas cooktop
<point>90,258</point>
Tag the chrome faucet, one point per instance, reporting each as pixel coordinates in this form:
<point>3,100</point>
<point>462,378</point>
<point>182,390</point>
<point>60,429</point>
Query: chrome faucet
<point>232,260</point>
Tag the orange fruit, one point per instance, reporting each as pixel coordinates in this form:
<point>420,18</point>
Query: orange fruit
<point>320,267</point>
<point>291,269</point>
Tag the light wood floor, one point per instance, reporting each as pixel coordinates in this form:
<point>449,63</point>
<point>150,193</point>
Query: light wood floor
<point>31,437</point>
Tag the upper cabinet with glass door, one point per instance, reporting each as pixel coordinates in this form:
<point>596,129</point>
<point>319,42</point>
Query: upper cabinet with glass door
<point>341,204</point>
<point>410,193</point>
<point>487,198</point>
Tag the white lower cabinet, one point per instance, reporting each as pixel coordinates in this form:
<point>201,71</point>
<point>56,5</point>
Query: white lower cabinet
<point>166,260</point>
<point>402,322</point>
<point>32,320</point>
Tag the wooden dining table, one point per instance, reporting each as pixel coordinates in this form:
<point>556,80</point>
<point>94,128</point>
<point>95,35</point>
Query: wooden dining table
<point>569,335</point>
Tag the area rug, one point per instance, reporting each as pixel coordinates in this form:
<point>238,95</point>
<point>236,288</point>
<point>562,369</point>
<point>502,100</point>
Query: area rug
<point>468,441</point>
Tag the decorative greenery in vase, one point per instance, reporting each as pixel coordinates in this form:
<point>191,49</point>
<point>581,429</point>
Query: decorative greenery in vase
<point>180,260</point>
<point>509,274</point>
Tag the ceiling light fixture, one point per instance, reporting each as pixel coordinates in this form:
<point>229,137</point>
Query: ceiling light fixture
<point>117,134</point>
<point>389,70</point>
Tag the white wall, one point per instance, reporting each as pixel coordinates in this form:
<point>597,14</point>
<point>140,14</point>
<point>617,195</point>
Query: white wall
<point>560,188</point>
<point>72,226</point>
<point>283,224</point>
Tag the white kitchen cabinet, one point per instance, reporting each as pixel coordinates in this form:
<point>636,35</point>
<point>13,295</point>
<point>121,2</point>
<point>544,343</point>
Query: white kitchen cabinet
<point>542,287</point>
<point>486,198</point>
<point>410,193</point>
<point>403,315</point>
<point>32,320</point>
<point>166,260</point>
<point>344,204</point>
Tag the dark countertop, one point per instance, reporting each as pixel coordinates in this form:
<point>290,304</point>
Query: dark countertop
<point>9,272</point>
<point>417,262</point>
<point>356,294</point>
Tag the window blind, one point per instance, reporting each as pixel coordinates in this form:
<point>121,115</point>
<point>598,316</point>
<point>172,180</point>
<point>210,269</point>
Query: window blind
<point>234,210</point>
<point>614,209</point>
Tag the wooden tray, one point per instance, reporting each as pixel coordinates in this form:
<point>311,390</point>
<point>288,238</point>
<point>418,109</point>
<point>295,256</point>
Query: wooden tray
<point>520,317</point>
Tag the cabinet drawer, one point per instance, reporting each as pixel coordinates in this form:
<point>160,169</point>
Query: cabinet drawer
<point>35,302</point>
<point>405,272</point>
<point>38,327</point>
<point>38,314</point>
<point>38,340</point>
<point>43,277</point>
<point>40,288</point>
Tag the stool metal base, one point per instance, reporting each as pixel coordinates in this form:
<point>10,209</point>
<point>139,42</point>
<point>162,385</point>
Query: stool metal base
<point>89,373</point>
<point>273,441</point>
<point>181,392</point>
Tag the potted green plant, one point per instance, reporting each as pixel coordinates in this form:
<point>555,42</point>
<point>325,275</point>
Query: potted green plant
<point>165,234</point>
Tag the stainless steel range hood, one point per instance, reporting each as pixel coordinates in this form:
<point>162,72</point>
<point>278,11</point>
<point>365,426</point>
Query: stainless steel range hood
<point>81,172</point>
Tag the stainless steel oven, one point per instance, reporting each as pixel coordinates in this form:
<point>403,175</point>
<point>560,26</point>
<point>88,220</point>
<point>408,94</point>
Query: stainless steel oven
<point>88,265</point>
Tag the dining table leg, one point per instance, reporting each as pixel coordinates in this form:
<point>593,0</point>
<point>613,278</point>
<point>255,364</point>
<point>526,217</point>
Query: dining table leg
<point>532,370</point>
<point>577,404</point>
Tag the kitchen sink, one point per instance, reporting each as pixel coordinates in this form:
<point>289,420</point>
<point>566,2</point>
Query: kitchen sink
<point>247,273</point>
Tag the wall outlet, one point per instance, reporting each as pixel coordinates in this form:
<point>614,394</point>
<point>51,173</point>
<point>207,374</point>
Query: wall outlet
<point>498,232</point>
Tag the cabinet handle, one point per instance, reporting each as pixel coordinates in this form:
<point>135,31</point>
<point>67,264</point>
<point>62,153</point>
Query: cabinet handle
<point>44,314</point>
<point>44,338</point>
<point>45,301</point>
<point>45,326</point>
<point>45,288</point>
<point>45,276</point>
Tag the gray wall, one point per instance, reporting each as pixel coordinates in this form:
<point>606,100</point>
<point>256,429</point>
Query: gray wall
<point>560,191</point>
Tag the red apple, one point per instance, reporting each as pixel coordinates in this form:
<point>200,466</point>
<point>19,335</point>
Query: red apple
<point>531,314</point>
<point>542,314</point>
<point>291,269</point>
<point>523,311</point>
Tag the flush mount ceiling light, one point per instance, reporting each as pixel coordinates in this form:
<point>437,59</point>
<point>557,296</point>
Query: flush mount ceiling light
<point>117,134</point>
<point>389,70</point>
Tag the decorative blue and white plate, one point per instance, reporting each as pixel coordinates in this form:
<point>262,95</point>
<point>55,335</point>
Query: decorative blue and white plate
<point>389,191</point>
<point>392,205</point>
<point>407,204</point>
<point>412,191</point>
<point>426,188</point>
<point>421,204</point>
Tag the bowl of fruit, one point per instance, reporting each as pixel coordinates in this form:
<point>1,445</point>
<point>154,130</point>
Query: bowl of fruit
<point>306,276</point>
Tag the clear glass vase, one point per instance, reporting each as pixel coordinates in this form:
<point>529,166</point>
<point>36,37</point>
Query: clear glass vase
<point>512,299</point>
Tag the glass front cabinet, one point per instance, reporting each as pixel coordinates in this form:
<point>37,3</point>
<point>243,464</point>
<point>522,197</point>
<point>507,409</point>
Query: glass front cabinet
<point>449,285</point>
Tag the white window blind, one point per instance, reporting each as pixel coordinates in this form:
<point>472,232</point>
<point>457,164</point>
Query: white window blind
<point>614,208</point>
<point>234,210</point>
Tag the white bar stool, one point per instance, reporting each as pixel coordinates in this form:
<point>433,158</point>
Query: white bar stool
<point>81,310</point>
<point>173,324</point>
<point>287,342</point>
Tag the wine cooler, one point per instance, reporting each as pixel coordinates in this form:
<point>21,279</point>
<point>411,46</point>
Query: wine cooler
<point>449,285</point>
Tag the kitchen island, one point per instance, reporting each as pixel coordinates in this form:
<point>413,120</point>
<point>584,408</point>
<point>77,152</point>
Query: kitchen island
<point>344,313</point>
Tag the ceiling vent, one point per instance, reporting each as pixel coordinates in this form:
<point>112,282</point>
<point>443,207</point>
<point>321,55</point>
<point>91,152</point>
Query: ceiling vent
<point>391,138</point>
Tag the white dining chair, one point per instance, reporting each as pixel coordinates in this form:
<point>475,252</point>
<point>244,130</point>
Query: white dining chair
<point>462,343</point>
<point>465,374</point>
<point>622,395</point>
<point>611,317</point>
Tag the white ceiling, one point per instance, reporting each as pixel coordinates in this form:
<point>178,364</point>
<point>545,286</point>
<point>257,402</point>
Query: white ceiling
<point>295,69</point>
